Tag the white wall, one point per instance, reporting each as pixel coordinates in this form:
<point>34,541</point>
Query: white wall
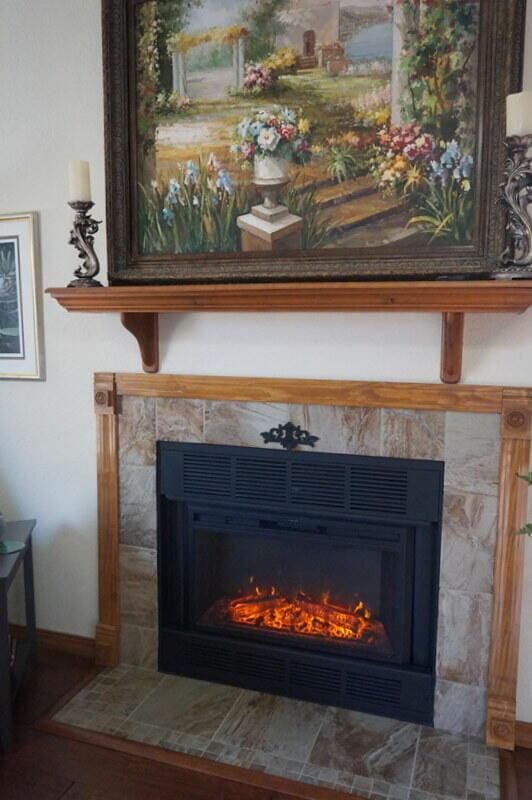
<point>51,101</point>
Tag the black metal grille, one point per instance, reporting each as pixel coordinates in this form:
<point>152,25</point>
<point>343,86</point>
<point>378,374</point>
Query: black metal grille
<point>206,474</point>
<point>372,487</point>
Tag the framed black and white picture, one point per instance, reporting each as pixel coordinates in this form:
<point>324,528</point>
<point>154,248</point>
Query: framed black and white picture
<point>20,319</point>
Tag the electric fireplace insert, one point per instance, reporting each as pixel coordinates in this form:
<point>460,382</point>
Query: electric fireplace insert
<point>305,574</point>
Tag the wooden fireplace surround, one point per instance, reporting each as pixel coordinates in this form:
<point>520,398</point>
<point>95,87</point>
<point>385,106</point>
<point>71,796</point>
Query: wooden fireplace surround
<point>513,405</point>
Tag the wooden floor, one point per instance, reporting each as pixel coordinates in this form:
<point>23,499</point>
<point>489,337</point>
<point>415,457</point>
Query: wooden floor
<point>45,767</point>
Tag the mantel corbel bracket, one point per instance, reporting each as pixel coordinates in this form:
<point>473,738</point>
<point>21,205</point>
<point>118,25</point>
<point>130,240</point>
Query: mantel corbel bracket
<point>452,347</point>
<point>144,327</point>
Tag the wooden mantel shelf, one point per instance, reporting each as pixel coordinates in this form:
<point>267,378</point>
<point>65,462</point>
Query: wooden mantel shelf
<point>140,306</point>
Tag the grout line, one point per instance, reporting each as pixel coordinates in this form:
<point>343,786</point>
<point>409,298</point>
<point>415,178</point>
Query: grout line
<point>236,700</point>
<point>318,732</point>
<point>414,763</point>
<point>146,696</point>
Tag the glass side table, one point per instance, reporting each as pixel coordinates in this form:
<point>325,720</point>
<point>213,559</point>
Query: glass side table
<point>11,675</point>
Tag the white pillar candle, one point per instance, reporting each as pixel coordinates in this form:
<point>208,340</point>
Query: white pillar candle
<point>79,179</point>
<point>519,114</point>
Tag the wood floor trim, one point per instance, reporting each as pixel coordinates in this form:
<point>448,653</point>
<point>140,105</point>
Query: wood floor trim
<point>508,776</point>
<point>420,396</point>
<point>247,777</point>
<point>523,734</point>
<point>69,643</point>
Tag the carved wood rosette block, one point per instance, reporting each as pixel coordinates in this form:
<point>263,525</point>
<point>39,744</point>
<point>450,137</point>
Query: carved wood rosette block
<point>516,425</point>
<point>108,628</point>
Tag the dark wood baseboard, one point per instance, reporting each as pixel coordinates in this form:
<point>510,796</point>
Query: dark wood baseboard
<point>508,776</point>
<point>253,785</point>
<point>523,734</point>
<point>69,643</point>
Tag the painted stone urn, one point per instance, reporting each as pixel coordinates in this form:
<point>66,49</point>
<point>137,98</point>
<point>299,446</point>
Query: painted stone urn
<point>270,170</point>
<point>271,174</point>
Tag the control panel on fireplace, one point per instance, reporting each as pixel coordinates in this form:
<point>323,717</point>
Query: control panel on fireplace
<point>307,574</point>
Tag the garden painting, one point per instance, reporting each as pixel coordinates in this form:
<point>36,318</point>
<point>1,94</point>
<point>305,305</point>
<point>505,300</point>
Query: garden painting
<point>11,339</point>
<point>305,124</point>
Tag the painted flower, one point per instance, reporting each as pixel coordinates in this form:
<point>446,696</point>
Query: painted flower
<point>287,132</point>
<point>268,139</point>
<point>168,215</point>
<point>466,166</point>
<point>451,155</point>
<point>213,164</point>
<point>191,173</point>
<point>243,128</point>
<point>303,126</point>
<point>224,182</point>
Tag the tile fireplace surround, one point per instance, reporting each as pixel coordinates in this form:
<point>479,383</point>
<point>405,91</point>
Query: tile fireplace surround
<point>481,433</point>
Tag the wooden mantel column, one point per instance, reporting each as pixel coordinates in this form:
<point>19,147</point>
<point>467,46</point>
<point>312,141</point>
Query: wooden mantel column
<point>509,559</point>
<point>108,628</point>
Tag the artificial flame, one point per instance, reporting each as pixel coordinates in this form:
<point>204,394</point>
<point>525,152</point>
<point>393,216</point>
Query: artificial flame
<point>301,615</point>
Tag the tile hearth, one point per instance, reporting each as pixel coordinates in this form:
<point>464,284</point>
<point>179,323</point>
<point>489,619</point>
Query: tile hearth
<point>371,757</point>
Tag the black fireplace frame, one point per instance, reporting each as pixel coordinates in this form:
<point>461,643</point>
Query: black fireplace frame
<point>274,493</point>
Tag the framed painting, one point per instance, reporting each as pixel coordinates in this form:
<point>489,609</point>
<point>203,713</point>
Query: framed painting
<point>264,140</point>
<point>20,325</point>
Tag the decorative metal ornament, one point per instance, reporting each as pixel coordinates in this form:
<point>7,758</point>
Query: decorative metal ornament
<point>289,436</point>
<point>82,237</point>
<point>517,197</point>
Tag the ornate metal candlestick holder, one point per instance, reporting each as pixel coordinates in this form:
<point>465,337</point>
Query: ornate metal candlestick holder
<point>517,197</point>
<point>82,237</point>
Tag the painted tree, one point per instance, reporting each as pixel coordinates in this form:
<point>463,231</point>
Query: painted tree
<point>440,43</point>
<point>172,18</point>
<point>262,21</point>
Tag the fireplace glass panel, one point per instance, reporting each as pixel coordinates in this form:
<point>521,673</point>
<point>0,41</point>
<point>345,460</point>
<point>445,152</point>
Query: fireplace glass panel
<point>321,588</point>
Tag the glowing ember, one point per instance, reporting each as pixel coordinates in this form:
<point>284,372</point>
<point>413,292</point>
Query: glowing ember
<point>300,615</point>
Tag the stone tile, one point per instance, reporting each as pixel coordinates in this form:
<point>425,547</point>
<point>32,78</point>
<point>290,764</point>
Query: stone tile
<point>136,431</point>
<point>276,765</point>
<point>441,764</point>
<point>459,708</point>
<point>117,700</point>
<point>189,706</point>
<point>242,423</point>
<point>469,531</point>
<point>179,420</point>
<point>374,747</point>
<point>138,507</point>
<point>472,452</point>
<point>138,646</point>
<point>138,586</point>
<point>229,754</point>
<point>399,793</point>
<point>139,732</point>
<point>277,726</point>
<point>463,637</point>
<point>341,429</point>
<point>190,744</point>
<point>413,434</point>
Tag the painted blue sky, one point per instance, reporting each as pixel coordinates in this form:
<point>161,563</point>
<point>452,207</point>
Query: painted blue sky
<point>213,13</point>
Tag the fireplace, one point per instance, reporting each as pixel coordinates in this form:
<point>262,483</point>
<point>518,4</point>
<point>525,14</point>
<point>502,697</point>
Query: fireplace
<point>304,574</point>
